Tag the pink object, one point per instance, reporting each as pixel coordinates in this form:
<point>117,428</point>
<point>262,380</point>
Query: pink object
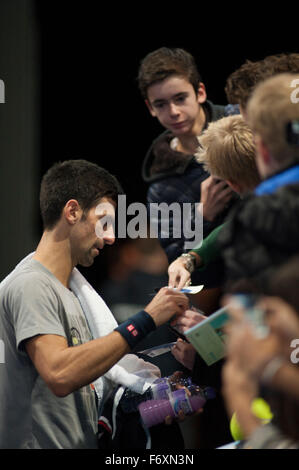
<point>155,411</point>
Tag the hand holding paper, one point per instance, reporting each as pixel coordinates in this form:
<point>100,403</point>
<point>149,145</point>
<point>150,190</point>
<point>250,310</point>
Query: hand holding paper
<point>179,276</point>
<point>188,319</point>
<point>184,353</point>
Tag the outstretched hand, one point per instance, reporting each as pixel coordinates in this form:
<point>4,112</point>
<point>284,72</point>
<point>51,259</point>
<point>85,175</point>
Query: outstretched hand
<point>184,353</point>
<point>179,276</point>
<point>167,303</point>
<point>188,319</point>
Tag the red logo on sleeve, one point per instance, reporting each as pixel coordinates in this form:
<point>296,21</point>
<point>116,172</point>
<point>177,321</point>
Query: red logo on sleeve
<point>132,330</point>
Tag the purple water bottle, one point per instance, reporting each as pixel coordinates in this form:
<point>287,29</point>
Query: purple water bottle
<point>160,389</point>
<point>155,411</point>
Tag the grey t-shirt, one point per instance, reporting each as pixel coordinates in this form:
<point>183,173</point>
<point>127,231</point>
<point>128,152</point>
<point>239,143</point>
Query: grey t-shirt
<point>34,302</point>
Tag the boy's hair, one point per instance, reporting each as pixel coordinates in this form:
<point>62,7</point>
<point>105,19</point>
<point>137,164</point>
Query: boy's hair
<point>241,83</point>
<point>270,110</point>
<point>165,62</point>
<point>74,179</point>
<point>228,151</point>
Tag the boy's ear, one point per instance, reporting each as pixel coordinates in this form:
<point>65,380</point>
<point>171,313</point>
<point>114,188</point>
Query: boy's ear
<point>149,107</point>
<point>201,93</point>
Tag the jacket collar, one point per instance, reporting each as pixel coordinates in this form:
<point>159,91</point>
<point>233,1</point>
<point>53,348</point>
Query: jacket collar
<point>283,178</point>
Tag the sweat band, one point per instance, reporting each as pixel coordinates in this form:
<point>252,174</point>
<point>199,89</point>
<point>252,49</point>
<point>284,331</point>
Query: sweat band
<point>136,328</point>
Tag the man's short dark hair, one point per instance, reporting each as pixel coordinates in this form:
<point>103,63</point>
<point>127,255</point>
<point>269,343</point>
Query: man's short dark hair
<point>165,62</point>
<point>242,82</point>
<point>74,179</point>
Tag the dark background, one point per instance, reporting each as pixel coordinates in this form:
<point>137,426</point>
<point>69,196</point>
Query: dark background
<point>70,79</point>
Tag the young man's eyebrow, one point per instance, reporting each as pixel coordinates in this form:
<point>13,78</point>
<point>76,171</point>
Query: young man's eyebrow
<point>158,101</point>
<point>177,95</point>
<point>181,93</point>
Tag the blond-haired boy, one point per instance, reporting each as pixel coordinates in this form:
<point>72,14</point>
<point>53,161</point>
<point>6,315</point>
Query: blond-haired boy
<point>227,151</point>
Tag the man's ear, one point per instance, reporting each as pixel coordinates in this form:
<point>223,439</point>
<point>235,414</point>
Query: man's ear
<point>264,161</point>
<point>201,93</point>
<point>72,211</point>
<point>264,151</point>
<point>150,108</point>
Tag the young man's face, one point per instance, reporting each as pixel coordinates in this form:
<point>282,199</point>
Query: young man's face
<point>175,104</point>
<point>94,231</point>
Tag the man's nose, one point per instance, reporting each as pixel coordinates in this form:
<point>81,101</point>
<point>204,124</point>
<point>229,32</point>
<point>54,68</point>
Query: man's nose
<point>173,110</point>
<point>109,236</point>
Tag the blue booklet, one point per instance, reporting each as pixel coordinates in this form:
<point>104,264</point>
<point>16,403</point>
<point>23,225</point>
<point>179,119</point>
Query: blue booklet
<point>208,336</point>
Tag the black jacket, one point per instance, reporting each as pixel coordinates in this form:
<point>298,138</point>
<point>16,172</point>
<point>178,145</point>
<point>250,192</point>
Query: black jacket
<point>175,177</point>
<point>262,233</point>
